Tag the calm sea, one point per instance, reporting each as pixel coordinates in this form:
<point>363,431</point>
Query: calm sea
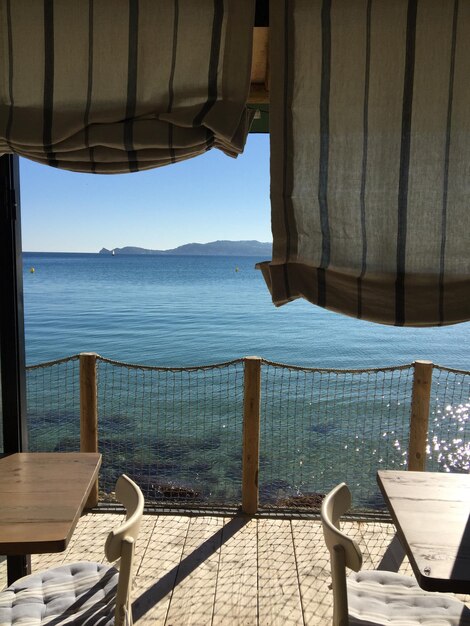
<point>180,436</point>
<point>184,310</point>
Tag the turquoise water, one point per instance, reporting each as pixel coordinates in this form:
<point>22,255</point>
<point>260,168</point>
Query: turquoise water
<point>180,434</point>
<point>191,310</point>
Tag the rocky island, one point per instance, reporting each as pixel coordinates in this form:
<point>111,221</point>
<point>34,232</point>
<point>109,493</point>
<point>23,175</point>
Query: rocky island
<point>214,248</point>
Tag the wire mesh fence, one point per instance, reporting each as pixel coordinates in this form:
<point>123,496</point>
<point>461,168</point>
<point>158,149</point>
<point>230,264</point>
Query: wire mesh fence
<point>449,421</point>
<point>178,431</point>
<point>53,416</point>
<point>322,427</point>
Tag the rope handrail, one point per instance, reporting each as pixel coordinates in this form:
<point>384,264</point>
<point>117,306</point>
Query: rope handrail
<point>159,368</point>
<point>65,359</point>
<point>240,433</point>
<point>192,368</point>
<point>451,370</point>
<point>333,370</point>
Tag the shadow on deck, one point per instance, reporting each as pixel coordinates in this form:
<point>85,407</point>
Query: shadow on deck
<point>216,570</point>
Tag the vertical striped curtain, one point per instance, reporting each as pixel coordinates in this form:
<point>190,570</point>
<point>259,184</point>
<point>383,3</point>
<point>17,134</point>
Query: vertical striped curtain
<point>370,158</point>
<point>112,86</point>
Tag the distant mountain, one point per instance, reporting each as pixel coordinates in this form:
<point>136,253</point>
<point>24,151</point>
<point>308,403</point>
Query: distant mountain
<point>214,248</point>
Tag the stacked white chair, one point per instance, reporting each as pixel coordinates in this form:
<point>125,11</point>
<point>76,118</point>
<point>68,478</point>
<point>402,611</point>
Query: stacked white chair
<point>84,593</point>
<point>378,598</point>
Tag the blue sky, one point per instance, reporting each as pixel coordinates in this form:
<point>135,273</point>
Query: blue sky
<point>203,199</point>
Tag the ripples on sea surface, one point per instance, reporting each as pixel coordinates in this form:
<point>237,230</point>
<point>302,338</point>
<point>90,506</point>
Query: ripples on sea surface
<point>182,433</point>
<point>170,310</point>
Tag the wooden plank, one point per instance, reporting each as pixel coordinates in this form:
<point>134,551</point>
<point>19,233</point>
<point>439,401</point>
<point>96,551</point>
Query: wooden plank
<point>160,553</point>
<point>41,562</point>
<point>88,545</point>
<point>431,513</point>
<point>278,588</point>
<point>42,496</point>
<point>156,574</point>
<point>236,598</point>
<point>192,601</point>
<point>146,533</point>
<point>45,561</point>
<point>382,548</point>
<point>313,569</point>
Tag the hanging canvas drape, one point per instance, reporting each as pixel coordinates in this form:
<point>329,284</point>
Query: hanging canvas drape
<point>370,158</point>
<point>113,86</point>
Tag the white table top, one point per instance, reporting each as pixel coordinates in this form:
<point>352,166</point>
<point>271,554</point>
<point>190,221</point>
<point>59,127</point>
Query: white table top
<point>432,514</point>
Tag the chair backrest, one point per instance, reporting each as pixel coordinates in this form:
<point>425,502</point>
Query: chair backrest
<point>344,552</point>
<point>121,542</point>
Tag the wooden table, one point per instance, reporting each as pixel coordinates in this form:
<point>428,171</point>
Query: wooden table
<point>431,512</point>
<point>42,495</point>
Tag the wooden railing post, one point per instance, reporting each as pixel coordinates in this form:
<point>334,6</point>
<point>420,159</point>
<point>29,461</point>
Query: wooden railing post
<point>251,415</point>
<point>89,413</point>
<point>422,379</point>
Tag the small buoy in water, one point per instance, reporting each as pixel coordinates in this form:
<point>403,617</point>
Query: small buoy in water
<point>236,269</point>
<point>32,270</point>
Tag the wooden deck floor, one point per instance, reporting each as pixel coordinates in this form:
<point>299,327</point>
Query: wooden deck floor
<point>204,570</point>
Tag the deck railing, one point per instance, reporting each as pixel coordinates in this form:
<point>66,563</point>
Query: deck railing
<point>250,432</point>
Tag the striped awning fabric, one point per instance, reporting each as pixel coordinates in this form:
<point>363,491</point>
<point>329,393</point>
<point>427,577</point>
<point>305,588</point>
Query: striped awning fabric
<point>112,86</point>
<point>370,158</point>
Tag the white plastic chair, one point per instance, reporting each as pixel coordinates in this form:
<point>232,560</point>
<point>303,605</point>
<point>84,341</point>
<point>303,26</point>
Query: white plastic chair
<point>83,593</point>
<point>373,598</point>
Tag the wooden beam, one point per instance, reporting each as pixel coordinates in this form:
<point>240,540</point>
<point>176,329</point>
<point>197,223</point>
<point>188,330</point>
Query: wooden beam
<point>259,88</point>
<point>251,426</point>
<point>422,381</point>
<point>258,95</point>
<point>89,413</point>
<point>259,59</point>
